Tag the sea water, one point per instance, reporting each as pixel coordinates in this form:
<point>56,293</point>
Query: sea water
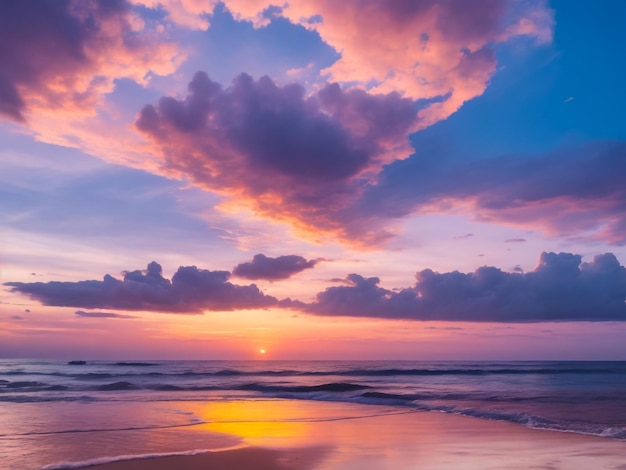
<point>50,411</point>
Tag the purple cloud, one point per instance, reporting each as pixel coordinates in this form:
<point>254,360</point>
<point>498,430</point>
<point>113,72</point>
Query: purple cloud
<point>64,55</point>
<point>561,288</point>
<point>82,313</point>
<point>566,192</point>
<point>288,156</point>
<point>191,290</point>
<point>282,267</point>
<point>430,49</point>
<point>312,161</point>
<point>43,41</point>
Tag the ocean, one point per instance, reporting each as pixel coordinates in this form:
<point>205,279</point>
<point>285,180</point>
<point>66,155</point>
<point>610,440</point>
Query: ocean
<point>54,413</point>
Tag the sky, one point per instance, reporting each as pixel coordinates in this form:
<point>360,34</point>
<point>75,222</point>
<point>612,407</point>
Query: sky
<point>365,179</point>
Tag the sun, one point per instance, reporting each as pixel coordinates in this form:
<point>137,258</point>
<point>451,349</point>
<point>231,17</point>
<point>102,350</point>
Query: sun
<point>262,351</point>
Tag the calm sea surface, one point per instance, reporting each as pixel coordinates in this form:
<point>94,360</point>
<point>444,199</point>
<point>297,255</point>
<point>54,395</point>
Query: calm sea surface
<point>44,404</point>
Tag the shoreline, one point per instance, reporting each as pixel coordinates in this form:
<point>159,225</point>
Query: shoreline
<point>239,457</point>
<point>312,435</point>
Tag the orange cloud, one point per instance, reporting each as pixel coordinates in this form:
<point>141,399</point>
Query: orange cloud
<point>427,49</point>
<point>64,59</point>
<point>65,56</point>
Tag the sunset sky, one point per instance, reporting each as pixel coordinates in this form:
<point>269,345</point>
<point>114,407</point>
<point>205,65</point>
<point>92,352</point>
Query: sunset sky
<point>407,179</point>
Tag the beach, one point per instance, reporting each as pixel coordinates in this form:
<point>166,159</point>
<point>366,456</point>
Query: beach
<point>306,435</point>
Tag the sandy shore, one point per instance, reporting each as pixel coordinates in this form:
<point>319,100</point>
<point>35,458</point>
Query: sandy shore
<point>304,435</point>
<point>245,458</point>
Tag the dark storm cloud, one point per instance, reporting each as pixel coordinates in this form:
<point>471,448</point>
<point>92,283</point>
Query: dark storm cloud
<point>191,290</point>
<point>291,157</point>
<point>263,267</point>
<point>561,288</point>
<point>82,313</point>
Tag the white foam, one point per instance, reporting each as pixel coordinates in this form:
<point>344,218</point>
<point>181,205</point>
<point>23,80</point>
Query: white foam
<point>119,458</point>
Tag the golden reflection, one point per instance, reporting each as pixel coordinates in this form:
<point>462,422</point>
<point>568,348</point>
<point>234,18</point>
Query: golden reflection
<point>299,423</point>
<point>260,422</point>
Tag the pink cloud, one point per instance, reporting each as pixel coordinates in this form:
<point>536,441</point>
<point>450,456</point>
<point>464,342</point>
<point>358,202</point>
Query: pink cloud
<point>284,155</point>
<point>310,160</point>
<point>425,49</point>
<point>61,57</point>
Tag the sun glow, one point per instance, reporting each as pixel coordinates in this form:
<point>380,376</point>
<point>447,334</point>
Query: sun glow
<point>262,351</point>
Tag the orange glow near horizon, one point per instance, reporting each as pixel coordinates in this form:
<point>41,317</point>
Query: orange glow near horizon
<point>285,336</point>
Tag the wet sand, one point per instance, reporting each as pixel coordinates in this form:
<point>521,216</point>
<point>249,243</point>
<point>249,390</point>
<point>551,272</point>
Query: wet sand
<point>305,435</point>
<point>244,458</point>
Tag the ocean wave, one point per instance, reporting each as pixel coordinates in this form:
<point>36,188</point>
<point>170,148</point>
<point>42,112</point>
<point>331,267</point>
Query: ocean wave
<point>405,372</point>
<point>464,372</point>
<point>395,397</point>
<point>526,419</point>
<point>119,458</point>
<point>22,372</point>
<point>329,387</point>
<point>167,388</point>
<point>13,372</point>
<point>356,372</point>
<point>115,386</point>
<point>134,364</point>
<point>41,399</point>
<point>241,373</point>
<point>23,384</point>
<point>335,387</point>
<point>149,427</point>
<point>92,376</point>
<point>29,386</point>
<point>532,421</point>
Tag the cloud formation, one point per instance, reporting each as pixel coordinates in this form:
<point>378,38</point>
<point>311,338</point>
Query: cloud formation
<point>306,158</point>
<point>286,155</point>
<point>570,192</point>
<point>427,49</point>
<point>191,290</point>
<point>561,288</point>
<point>63,55</point>
<point>82,313</point>
<point>263,267</point>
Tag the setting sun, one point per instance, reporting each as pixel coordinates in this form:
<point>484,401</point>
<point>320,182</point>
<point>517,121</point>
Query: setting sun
<point>262,351</point>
